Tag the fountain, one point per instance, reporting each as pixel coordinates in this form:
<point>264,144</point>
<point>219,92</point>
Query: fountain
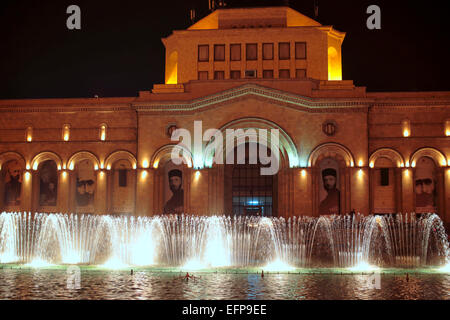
<point>356,242</point>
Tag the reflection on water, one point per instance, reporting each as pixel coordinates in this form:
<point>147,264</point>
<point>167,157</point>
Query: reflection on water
<point>103,284</point>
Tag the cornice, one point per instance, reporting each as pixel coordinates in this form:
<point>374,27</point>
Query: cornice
<point>254,91</point>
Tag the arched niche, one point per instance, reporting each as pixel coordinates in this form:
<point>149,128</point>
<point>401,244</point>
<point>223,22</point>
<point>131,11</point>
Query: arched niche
<point>429,166</point>
<point>83,168</point>
<point>384,184</point>
<point>122,186</point>
<point>340,159</point>
<point>171,188</point>
<point>13,166</point>
<point>45,187</point>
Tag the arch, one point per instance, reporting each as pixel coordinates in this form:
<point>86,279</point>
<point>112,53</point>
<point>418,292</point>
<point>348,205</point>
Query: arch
<point>389,153</point>
<point>332,150</point>
<point>11,155</point>
<point>120,155</point>
<point>81,155</point>
<point>164,153</point>
<point>43,156</point>
<point>433,153</point>
<point>286,145</point>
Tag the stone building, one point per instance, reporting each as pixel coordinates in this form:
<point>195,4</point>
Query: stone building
<point>341,148</point>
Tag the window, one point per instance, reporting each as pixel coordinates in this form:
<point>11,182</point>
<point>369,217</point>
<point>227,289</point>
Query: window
<point>268,51</point>
<point>122,177</point>
<point>235,74</point>
<point>300,73</point>
<point>284,50</point>
<point>102,132</point>
<point>29,134</point>
<point>300,50</point>
<point>251,51</point>
<point>235,52</point>
<point>66,132</point>
<point>268,74</point>
<point>284,74</point>
<point>203,52</point>
<point>252,193</point>
<point>203,75</point>
<point>250,73</point>
<point>219,52</point>
<point>219,75</point>
<point>384,176</point>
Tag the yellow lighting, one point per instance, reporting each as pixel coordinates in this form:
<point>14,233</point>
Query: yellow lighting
<point>413,164</point>
<point>27,175</point>
<point>303,173</point>
<point>352,164</point>
<point>407,172</point>
<point>406,126</point>
<point>360,163</point>
<point>334,64</point>
<point>134,166</point>
<point>108,167</point>
<point>102,165</point>
<point>28,167</point>
<point>66,132</point>
<point>71,166</point>
<point>145,163</point>
<point>407,164</point>
<point>444,162</point>
<point>103,132</point>
<point>155,164</point>
<point>64,174</point>
<point>172,68</point>
<point>29,134</point>
<point>197,175</point>
<point>360,173</point>
<point>371,165</point>
<point>35,166</point>
<point>144,174</point>
<point>96,167</point>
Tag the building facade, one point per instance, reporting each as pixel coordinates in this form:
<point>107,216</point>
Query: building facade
<point>341,148</point>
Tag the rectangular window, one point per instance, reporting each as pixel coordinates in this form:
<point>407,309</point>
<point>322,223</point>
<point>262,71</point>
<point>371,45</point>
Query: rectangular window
<point>219,75</point>
<point>284,74</point>
<point>300,73</point>
<point>268,74</point>
<point>250,73</point>
<point>203,75</point>
<point>284,50</point>
<point>268,51</point>
<point>122,177</point>
<point>384,175</point>
<point>219,52</point>
<point>300,50</point>
<point>235,74</point>
<point>235,52</point>
<point>251,51</point>
<point>203,52</point>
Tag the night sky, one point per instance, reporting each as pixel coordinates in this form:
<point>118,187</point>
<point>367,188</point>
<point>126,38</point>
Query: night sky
<point>118,50</point>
